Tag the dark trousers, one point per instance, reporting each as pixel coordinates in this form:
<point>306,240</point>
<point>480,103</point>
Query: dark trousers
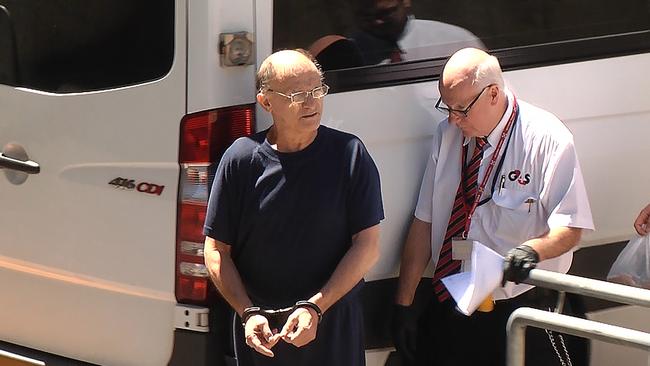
<point>447,337</point>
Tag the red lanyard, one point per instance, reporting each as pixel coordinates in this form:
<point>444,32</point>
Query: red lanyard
<point>489,169</point>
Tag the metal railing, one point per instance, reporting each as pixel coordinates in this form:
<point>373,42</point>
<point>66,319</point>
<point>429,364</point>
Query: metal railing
<point>524,317</point>
<point>589,287</point>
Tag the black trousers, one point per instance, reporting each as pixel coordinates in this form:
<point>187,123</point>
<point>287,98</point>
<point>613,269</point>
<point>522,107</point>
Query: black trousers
<point>447,337</point>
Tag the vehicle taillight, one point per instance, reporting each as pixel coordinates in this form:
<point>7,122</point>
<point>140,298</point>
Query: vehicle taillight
<point>204,138</point>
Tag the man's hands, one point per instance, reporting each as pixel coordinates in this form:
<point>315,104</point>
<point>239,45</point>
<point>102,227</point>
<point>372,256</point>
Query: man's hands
<point>301,327</point>
<point>404,328</point>
<point>518,263</point>
<point>299,330</point>
<point>259,336</point>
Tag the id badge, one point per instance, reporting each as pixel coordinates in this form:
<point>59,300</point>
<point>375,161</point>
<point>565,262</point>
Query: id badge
<point>461,249</point>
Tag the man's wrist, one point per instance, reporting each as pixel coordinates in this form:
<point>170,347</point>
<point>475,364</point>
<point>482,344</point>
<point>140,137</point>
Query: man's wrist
<point>405,301</point>
<point>310,305</point>
<point>398,305</point>
<point>531,250</point>
<point>249,312</point>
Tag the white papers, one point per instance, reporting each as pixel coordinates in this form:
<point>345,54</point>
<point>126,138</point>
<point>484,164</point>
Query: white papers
<point>469,289</point>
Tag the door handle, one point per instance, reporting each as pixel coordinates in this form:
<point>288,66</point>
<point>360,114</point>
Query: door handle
<point>28,166</point>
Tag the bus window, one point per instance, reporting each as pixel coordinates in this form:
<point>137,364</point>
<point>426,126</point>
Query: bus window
<point>65,46</point>
<point>352,33</point>
<point>507,24</point>
<point>8,71</point>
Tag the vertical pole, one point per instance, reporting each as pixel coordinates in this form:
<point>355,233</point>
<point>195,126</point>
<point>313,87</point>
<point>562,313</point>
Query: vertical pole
<point>516,343</point>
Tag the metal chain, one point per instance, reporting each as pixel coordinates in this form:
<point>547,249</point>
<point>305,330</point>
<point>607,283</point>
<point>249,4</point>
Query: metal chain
<point>552,339</point>
<point>566,352</point>
<point>557,352</point>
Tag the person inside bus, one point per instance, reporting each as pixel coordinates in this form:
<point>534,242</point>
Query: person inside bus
<point>335,52</point>
<point>642,222</point>
<point>533,210</point>
<point>388,32</point>
<point>292,226</point>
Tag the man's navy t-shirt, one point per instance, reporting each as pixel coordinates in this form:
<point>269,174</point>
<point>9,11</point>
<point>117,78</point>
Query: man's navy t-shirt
<point>289,217</point>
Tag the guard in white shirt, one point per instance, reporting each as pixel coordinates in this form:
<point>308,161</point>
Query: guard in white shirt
<point>504,173</point>
<point>389,32</point>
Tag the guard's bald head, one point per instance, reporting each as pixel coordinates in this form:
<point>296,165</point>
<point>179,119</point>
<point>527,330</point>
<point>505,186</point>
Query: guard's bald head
<point>472,79</point>
<point>473,66</point>
<point>283,64</point>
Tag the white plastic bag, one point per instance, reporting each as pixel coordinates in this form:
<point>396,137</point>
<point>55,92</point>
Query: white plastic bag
<point>632,267</point>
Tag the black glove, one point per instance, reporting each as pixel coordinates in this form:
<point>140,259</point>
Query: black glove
<point>404,328</point>
<point>518,263</point>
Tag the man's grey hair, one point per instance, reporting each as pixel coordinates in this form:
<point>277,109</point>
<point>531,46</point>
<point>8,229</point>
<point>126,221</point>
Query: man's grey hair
<point>268,71</point>
<point>488,72</point>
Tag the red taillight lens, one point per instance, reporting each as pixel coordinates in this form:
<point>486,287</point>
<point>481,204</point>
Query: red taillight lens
<point>191,289</point>
<point>204,138</point>
<point>192,219</point>
<point>206,135</point>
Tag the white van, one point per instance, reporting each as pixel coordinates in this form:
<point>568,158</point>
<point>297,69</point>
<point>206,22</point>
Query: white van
<point>114,113</point>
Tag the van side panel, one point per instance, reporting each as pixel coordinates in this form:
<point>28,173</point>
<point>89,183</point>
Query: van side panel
<point>209,85</point>
<point>87,267</point>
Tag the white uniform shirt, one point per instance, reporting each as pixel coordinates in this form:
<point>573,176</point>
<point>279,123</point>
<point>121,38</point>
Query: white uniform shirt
<point>424,39</point>
<point>540,164</point>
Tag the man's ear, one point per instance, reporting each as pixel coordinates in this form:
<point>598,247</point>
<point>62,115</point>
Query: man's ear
<point>264,102</point>
<point>495,92</point>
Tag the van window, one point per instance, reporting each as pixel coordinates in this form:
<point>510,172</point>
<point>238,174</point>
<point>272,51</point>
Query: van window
<point>67,46</point>
<point>352,33</point>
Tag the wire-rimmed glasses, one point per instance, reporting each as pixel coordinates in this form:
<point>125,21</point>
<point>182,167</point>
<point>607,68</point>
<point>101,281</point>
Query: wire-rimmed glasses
<point>300,97</point>
<point>442,107</point>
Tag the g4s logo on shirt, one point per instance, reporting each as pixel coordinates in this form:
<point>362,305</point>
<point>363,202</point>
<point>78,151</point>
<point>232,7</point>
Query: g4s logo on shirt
<point>515,175</point>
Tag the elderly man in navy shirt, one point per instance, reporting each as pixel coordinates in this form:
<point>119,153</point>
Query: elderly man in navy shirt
<point>293,226</point>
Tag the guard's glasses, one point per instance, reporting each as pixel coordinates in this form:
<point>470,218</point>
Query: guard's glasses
<point>442,107</point>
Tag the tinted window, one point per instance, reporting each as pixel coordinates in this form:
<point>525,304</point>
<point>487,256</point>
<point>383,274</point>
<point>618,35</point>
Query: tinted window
<point>349,33</point>
<point>82,45</point>
<point>506,23</point>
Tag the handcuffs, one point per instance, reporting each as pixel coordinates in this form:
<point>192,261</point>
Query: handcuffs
<point>278,317</point>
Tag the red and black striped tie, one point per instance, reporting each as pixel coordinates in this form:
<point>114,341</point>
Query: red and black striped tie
<point>396,55</point>
<point>446,265</point>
